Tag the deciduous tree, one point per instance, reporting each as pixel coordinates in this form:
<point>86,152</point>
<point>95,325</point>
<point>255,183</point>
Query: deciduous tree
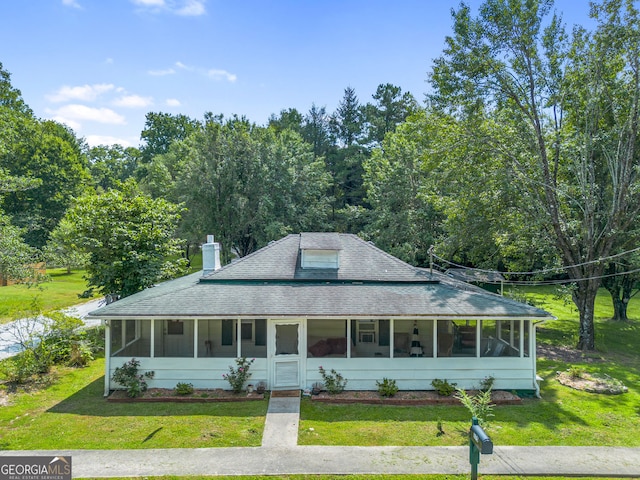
<point>569,115</point>
<point>128,237</point>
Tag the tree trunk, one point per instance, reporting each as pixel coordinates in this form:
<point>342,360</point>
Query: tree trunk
<point>620,287</point>
<point>619,308</point>
<point>585,298</point>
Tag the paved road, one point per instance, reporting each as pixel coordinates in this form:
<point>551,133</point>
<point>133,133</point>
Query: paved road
<point>505,460</point>
<point>10,332</point>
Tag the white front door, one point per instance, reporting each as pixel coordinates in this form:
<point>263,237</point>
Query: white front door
<point>286,354</point>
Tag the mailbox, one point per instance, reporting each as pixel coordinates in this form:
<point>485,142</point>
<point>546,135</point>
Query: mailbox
<point>479,443</point>
<point>481,440</point>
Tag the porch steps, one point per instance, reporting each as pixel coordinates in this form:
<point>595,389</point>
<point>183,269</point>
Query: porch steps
<point>281,423</point>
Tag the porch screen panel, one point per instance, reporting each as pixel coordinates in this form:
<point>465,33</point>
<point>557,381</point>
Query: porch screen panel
<point>525,334</point>
<point>261,332</point>
<point>228,330</point>
<point>327,338</point>
<point>413,338</point>
<point>254,338</point>
<point>130,338</point>
<point>216,338</point>
<point>117,332</point>
<point>371,338</point>
<point>385,332</point>
<point>446,338</point>
<point>500,338</point>
<point>510,336</point>
<point>465,341</point>
<point>174,338</point>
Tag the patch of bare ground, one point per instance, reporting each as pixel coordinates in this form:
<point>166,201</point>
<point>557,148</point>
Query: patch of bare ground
<point>4,398</point>
<point>422,397</point>
<point>591,383</point>
<point>567,354</point>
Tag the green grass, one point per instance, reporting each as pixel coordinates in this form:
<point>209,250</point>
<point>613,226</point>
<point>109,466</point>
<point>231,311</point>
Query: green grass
<point>72,413</point>
<point>60,291</point>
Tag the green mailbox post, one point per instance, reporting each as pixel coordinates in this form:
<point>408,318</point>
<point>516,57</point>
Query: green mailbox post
<point>479,443</point>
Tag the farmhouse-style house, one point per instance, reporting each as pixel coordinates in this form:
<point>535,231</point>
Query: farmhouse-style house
<point>322,299</point>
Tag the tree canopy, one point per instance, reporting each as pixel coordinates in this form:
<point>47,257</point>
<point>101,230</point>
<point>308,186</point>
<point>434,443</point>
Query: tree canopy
<point>129,238</point>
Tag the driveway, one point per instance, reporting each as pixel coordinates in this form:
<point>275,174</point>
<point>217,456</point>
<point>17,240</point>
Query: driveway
<point>9,332</point>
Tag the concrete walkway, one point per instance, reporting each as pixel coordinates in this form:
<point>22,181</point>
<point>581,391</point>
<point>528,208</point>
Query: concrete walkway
<point>280,455</point>
<point>281,423</point>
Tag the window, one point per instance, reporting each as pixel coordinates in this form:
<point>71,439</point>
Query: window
<point>287,339</point>
<point>320,259</point>
<point>175,327</point>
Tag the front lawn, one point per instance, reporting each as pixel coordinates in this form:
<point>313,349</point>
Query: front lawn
<point>72,413</point>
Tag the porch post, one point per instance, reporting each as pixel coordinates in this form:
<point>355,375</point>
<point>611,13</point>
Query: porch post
<point>391,335</point>
<point>107,356</point>
<point>349,338</point>
<point>152,351</point>
<point>435,337</point>
<point>195,337</point>
<point>238,338</point>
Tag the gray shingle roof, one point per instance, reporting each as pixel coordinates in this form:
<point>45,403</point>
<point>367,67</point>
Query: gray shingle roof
<point>359,260</point>
<point>270,283</point>
<point>320,241</point>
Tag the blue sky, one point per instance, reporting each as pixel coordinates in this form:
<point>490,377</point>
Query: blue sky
<point>100,65</point>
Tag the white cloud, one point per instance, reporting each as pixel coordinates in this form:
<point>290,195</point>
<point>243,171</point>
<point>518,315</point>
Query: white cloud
<point>213,73</point>
<point>172,102</point>
<point>72,124</point>
<point>71,3</point>
<point>85,93</point>
<point>149,3</point>
<point>192,8</point>
<point>185,8</point>
<point>96,140</point>
<point>161,73</point>
<point>133,101</point>
<point>75,113</point>
<point>221,74</point>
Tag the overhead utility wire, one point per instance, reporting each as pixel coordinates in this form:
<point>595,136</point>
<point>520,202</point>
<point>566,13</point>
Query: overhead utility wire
<point>561,282</point>
<point>539,272</point>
